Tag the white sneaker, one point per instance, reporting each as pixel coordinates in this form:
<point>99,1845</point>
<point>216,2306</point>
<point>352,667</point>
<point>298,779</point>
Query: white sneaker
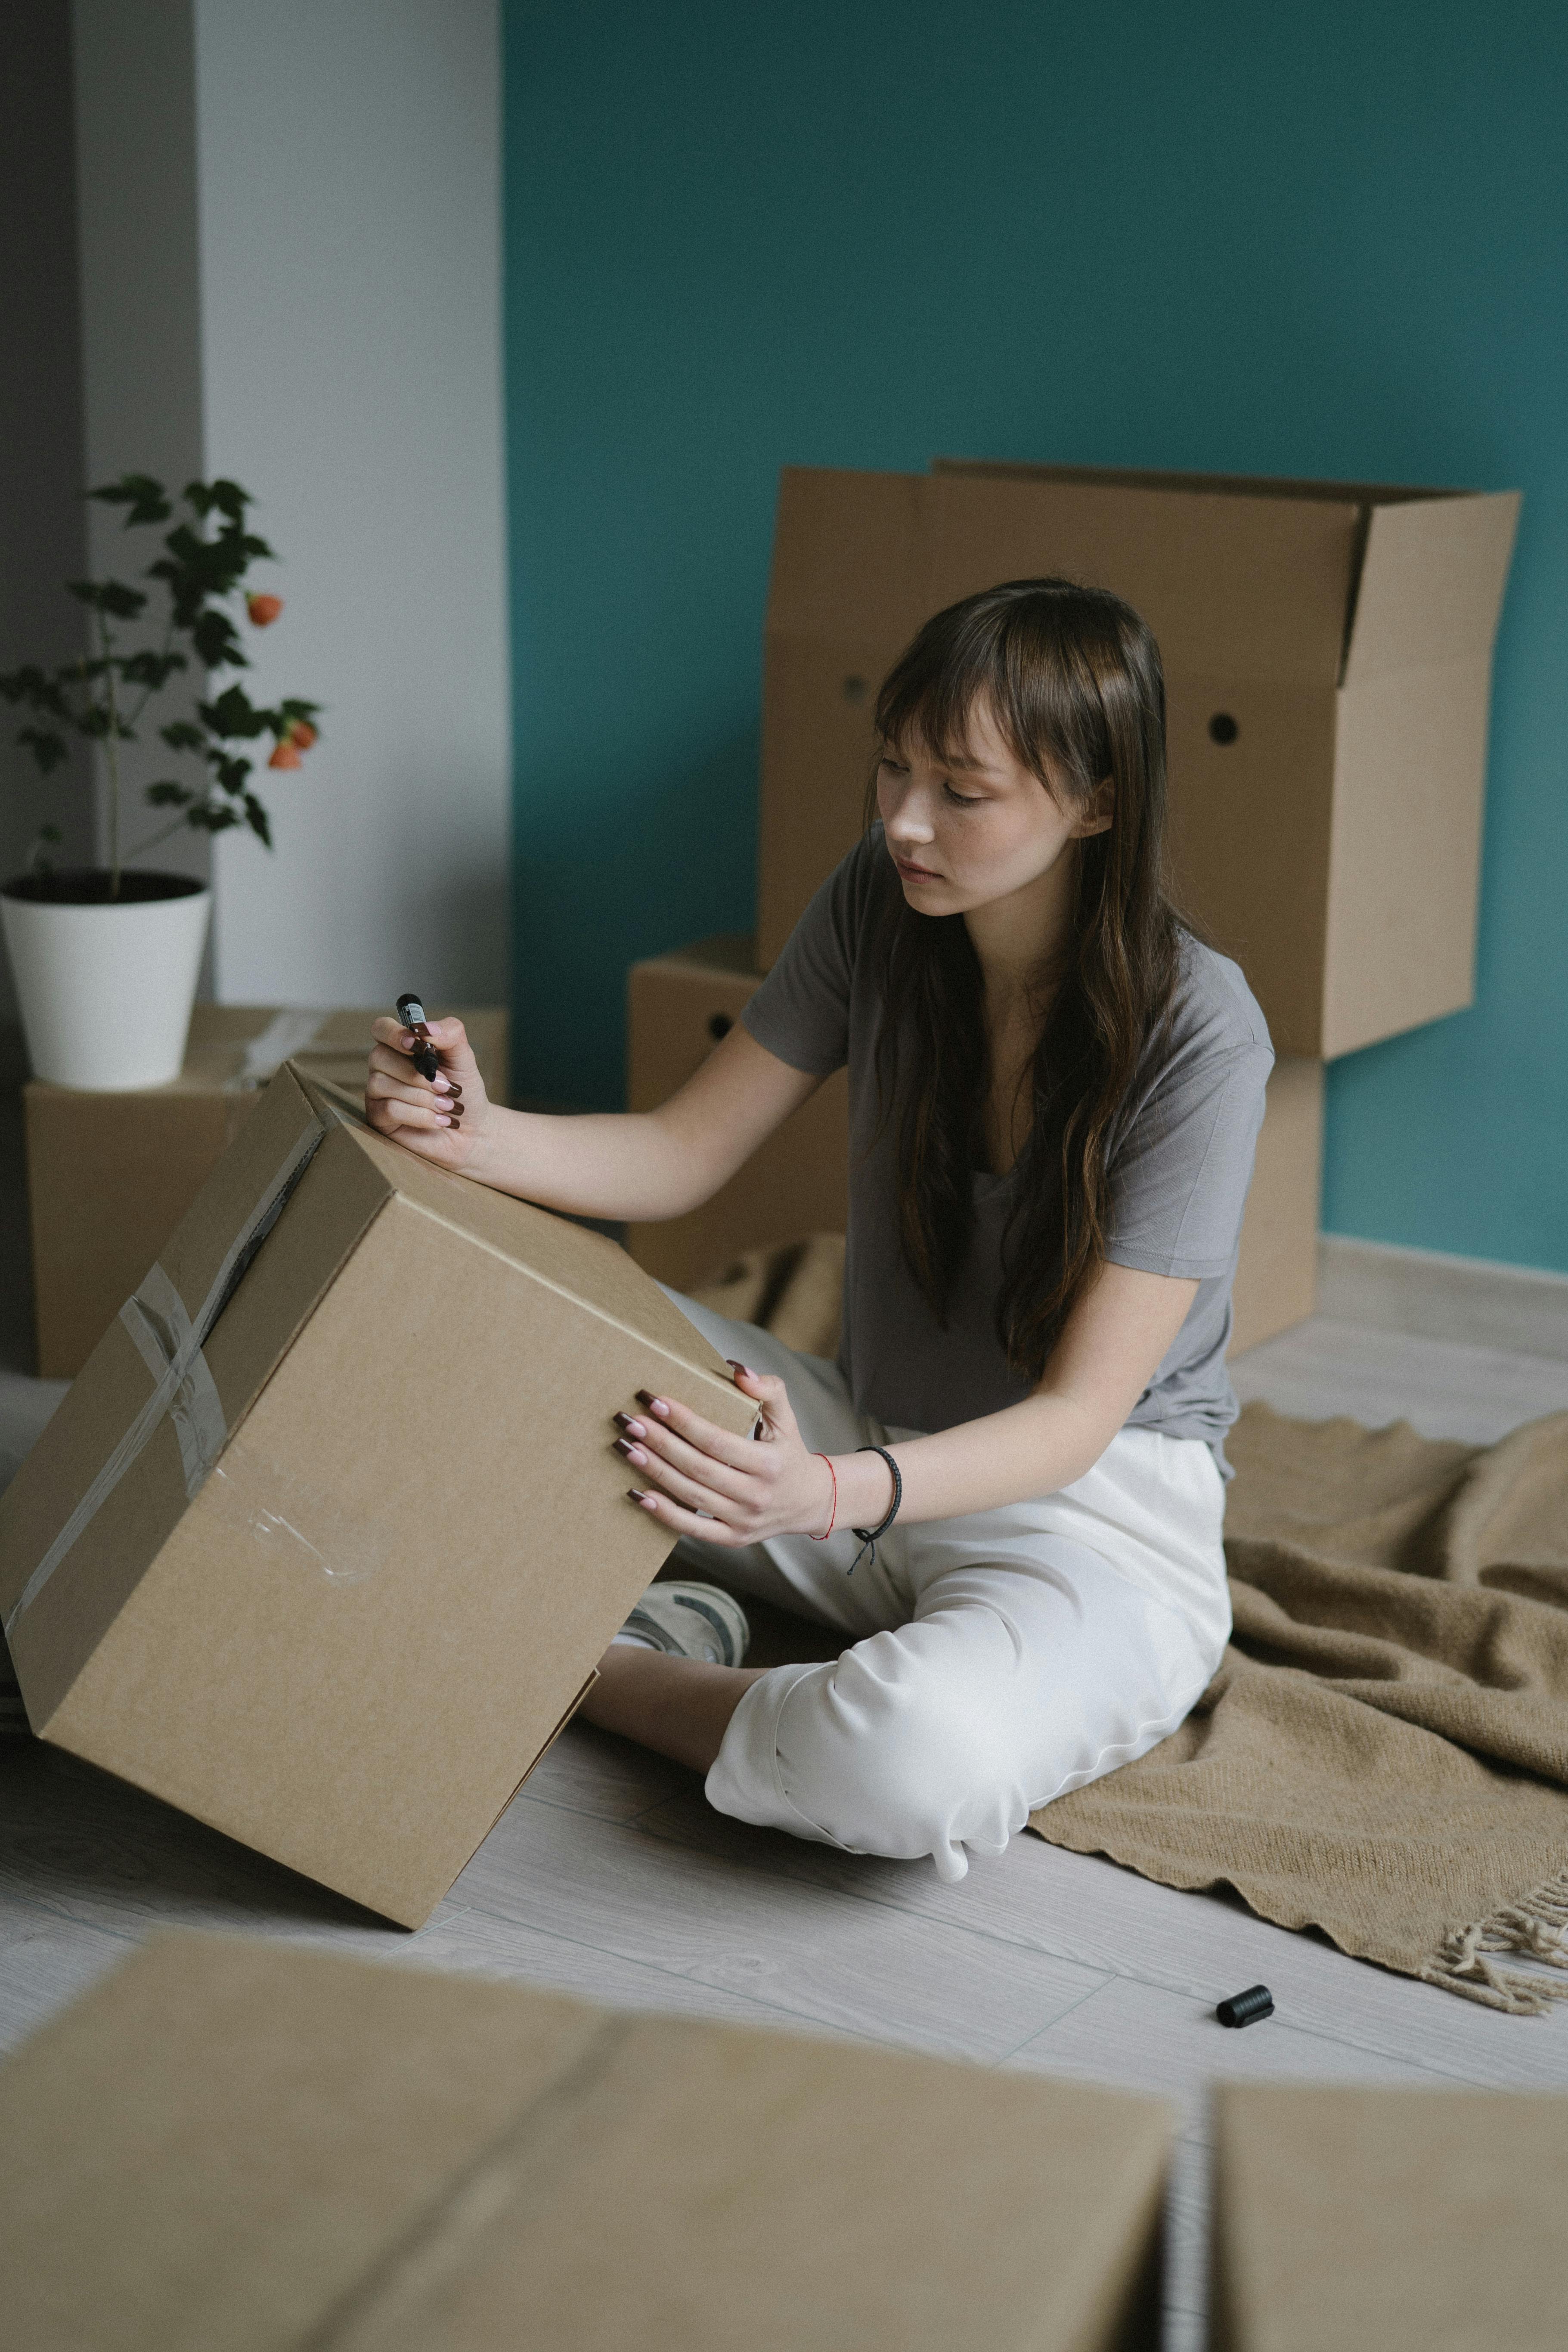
<point>691,1621</point>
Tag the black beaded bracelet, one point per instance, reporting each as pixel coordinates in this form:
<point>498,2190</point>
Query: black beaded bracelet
<point>869,1535</point>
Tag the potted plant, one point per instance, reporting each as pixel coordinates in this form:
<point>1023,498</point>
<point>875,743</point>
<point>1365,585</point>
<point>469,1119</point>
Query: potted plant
<point>106,958</point>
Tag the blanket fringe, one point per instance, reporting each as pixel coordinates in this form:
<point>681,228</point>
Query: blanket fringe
<point>1536,1928</point>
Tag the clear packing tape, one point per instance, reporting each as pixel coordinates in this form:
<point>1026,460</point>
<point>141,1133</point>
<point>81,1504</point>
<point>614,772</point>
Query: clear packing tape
<point>170,1340</point>
<point>292,1030</point>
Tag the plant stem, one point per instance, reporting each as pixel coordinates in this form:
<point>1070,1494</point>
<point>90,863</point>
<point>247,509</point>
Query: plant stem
<point>111,745</point>
<point>153,839</point>
<point>148,691</point>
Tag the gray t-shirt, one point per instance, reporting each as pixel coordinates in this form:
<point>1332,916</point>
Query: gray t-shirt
<point>1180,1168</point>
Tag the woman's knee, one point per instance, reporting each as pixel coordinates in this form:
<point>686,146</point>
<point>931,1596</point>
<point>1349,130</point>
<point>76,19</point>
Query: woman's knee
<point>889,1761</point>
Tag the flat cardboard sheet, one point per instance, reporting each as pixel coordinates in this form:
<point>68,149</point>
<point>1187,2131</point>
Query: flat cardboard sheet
<point>111,1175</point>
<point>1328,657</point>
<point>352,1573</point>
<point>235,2146</point>
<point>1389,2220</point>
<point>798,1183</point>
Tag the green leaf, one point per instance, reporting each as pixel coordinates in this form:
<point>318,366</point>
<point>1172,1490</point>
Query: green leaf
<point>47,748</point>
<point>167,795</point>
<point>151,669</point>
<point>147,500</point>
<point>234,714</point>
<point>184,735</point>
<point>257,819</point>
<point>230,499</point>
<point>293,707</point>
<point>36,688</point>
<point>211,820</point>
<point>216,643</point>
<point>229,772</point>
<point>110,596</point>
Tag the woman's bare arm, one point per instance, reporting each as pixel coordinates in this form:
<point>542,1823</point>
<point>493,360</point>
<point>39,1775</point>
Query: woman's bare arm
<point>1109,1350</point>
<point>638,1165</point>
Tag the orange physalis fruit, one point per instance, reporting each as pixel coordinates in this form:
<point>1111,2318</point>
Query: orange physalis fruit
<point>263,609</point>
<point>285,756</point>
<point>302,733</point>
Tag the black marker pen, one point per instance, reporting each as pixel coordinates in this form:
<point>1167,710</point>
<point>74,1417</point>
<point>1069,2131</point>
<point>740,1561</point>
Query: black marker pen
<point>424,1057</point>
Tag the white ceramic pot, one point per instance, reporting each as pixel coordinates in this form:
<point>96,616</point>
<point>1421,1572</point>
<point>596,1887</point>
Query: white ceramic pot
<point>106,989</point>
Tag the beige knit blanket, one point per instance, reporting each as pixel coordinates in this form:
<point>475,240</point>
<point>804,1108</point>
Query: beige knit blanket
<point>1383,1753</point>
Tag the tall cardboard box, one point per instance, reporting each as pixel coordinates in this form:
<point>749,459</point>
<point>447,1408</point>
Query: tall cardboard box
<point>111,1175</point>
<point>241,2145</point>
<point>329,1535</point>
<point>680,1005</point>
<point>1328,656</point>
<point>1361,2220</point>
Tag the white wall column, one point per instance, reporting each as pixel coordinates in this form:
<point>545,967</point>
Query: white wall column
<point>292,276</point>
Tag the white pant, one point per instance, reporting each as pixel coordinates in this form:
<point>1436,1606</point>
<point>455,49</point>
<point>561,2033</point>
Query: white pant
<point>997,1660</point>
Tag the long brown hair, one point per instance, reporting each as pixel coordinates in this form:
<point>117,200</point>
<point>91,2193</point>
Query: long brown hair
<point>1073,679</point>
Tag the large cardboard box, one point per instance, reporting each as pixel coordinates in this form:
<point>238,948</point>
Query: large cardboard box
<point>329,1535</point>
<point>680,1005</point>
<point>1388,2221</point>
<point>238,2145</point>
<point>111,1175</point>
<point>1328,653</point>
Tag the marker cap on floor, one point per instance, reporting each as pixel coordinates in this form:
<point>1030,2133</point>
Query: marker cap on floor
<point>1247,2008</point>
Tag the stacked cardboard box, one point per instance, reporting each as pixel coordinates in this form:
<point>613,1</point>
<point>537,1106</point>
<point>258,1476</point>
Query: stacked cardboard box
<point>381,2158</point>
<point>111,1175</point>
<point>1328,656</point>
<point>680,1006</point>
<point>327,1538</point>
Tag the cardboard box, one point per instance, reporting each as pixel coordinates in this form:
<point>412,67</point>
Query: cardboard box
<point>1276,1268</point>
<point>327,1537</point>
<point>1388,2221</point>
<point>1328,654</point>
<point>111,1175</point>
<point>679,1007</point>
<point>242,2145</point>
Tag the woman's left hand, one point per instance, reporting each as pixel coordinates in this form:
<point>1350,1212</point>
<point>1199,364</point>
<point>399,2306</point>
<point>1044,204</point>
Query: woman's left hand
<point>698,1480</point>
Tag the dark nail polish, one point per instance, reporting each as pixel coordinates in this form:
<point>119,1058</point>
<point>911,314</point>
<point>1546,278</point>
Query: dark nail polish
<point>637,1493</point>
<point>623,1421</point>
<point>631,1452</point>
<point>645,1396</point>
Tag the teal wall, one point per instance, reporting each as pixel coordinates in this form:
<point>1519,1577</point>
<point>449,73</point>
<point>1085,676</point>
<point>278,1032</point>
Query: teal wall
<point>1325,242</point>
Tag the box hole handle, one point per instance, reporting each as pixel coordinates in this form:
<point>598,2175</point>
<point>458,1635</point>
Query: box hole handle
<point>855,690</point>
<point>1223,728</point>
<point>719,1026</point>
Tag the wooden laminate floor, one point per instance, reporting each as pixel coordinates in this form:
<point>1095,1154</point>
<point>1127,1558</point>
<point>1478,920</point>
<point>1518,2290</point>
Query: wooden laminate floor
<point>610,1876</point>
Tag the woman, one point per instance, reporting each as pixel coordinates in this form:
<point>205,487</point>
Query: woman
<point>1008,1493</point>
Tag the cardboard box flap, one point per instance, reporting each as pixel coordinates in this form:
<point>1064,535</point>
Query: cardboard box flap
<point>584,1265</point>
<point>1431,586</point>
<point>1239,486</point>
<point>1232,587</point>
<point>236,2143</point>
<point>806,2194</point>
<point>219,2142</point>
<point>1393,2218</point>
<point>849,558</point>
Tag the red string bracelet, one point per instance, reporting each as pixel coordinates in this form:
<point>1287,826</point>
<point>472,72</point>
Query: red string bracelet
<point>833,1515</point>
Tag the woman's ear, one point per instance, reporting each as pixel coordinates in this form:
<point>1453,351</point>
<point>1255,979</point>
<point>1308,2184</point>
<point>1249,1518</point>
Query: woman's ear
<point>1097,811</point>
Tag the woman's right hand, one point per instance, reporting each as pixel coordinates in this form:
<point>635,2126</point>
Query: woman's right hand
<point>441,1120</point>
